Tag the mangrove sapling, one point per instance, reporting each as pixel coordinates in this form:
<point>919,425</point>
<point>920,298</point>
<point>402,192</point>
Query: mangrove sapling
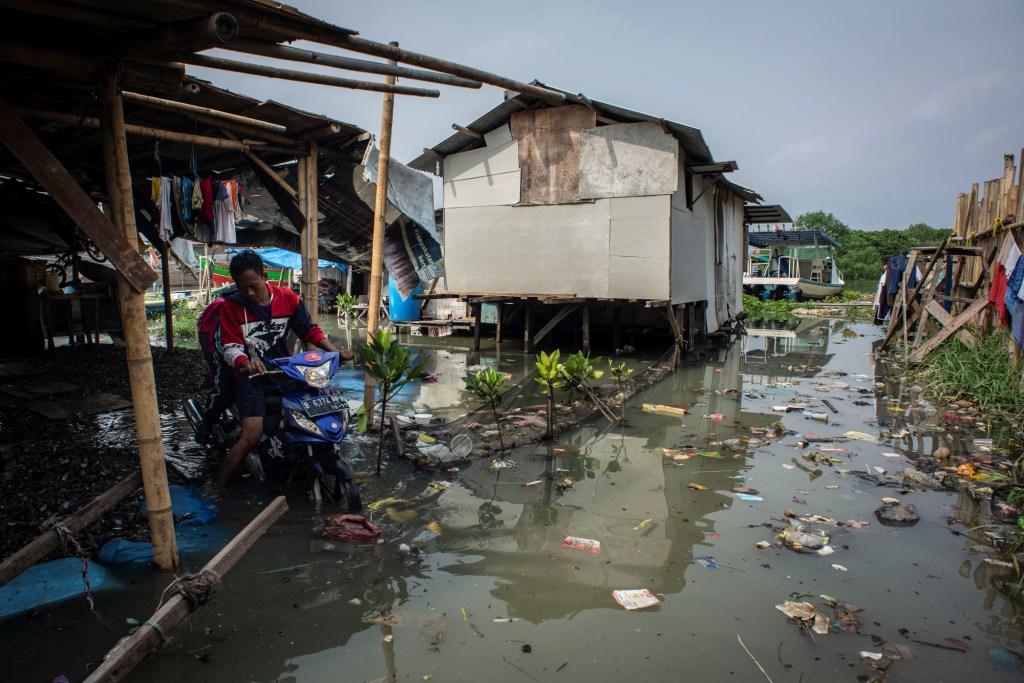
<point>391,367</point>
<point>346,304</point>
<point>620,374</point>
<point>549,376</point>
<point>487,385</point>
<point>577,372</point>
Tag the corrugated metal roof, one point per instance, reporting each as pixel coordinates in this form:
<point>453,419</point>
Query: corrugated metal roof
<point>771,213</point>
<point>690,138</point>
<point>790,238</point>
<point>744,193</point>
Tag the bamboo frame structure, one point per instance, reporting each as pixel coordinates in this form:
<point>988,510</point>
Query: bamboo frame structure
<point>380,207</point>
<point>136,335</point>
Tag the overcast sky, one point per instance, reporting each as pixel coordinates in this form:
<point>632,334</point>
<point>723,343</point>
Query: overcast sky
<point>878,111</point>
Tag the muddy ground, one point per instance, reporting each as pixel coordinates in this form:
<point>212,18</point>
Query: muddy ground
<point>57,466</point>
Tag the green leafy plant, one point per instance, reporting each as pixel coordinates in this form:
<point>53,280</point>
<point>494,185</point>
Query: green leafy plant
<point>346,303</point>
<point>620,374</point>
<point>549,376</point>
<point>392,367</point>
<point>487,385</point>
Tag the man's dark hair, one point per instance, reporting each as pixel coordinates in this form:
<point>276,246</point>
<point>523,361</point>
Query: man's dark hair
<point>246,260</point>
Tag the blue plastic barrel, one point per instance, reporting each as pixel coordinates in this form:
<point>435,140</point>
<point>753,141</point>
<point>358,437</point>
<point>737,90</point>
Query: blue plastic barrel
<point>403,310</point>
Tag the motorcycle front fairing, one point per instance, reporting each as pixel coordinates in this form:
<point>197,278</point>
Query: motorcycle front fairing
<point>329,428</point>
<point>312,370</point>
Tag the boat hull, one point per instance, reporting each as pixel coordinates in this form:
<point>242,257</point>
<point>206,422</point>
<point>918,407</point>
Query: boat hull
<point>818,290</point>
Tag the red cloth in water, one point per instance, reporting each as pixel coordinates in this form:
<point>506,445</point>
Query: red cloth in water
<point>343,527</point>
<point>997,293</point>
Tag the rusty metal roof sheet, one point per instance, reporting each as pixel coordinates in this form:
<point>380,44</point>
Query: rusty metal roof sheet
<point>689,137</point>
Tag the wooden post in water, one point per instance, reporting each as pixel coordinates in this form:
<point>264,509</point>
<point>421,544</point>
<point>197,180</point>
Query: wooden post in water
<point>165,272</point>
<point>585,324</point>
<point>310,245</point>
<point>380,207</point>
<point>136,336</point>
<point>477,324</point>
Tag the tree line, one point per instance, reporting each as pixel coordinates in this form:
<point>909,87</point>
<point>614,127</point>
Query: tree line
<point>864,251</point>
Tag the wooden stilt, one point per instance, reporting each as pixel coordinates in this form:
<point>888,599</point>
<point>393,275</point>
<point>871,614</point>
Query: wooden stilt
<point>380,206</point>
<point>616,327</point>
<point>527,345</point>
<point>310,245</point>
<point>132,650</point>
<point>558,317</point>
<point>136,336</point>
<point>585,325</point>
<point>497,330</point>
<point>476,325</point>
<point>165,272</point>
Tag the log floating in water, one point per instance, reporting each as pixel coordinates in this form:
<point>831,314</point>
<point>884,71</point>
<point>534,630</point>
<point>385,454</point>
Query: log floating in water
<point>48,541</point>
<point>131,650</point>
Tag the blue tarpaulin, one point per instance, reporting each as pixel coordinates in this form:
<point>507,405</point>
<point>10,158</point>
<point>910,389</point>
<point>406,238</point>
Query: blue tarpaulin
<point>282,258</point>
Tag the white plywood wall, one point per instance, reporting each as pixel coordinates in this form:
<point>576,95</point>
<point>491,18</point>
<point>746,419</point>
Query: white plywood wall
<point>627,160</point>
<point>556,249</point>
<point>488,176</point>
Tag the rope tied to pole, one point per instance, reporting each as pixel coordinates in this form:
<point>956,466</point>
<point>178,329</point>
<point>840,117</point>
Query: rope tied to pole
<point>195,588</point>
<point>67,538</point>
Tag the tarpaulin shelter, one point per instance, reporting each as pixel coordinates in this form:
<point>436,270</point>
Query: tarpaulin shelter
<point>282,258</point>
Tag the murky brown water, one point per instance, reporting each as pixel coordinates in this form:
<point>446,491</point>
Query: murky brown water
<point>497,579</point>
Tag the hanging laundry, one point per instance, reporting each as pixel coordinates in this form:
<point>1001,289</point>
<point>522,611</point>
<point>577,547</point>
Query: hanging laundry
<point>186,199</point>
<point>997,293</point>
<point>206,189</point>
<point>224,215</point>
<point>166,228</point>
<point>1014,302</point>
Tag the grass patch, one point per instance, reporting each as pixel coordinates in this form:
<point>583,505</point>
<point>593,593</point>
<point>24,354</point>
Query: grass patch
<point>781,310</point>
<point>186,320</point>
<point>985,376</point>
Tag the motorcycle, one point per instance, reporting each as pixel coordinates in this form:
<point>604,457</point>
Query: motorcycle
<point>303,429</point>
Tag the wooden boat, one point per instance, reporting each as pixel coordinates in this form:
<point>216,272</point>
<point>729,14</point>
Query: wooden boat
<point>801,262</point>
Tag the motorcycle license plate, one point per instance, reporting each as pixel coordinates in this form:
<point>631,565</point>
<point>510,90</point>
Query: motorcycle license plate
<point>322,405</point>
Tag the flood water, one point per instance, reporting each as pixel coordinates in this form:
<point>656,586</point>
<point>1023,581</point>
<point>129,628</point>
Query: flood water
<point>495,595</point>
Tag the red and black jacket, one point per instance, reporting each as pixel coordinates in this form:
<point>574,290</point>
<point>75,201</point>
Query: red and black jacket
<point>246,333</point>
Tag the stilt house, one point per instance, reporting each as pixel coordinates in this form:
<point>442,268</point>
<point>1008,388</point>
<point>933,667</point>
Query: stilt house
<point>591,206</point>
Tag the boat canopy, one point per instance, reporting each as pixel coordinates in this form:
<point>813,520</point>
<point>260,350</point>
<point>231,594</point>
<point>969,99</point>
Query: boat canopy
<point>791,238</point>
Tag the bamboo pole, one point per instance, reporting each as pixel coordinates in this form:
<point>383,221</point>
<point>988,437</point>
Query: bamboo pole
<point>174,105</point>
<point>136,335</point>
<point>306,76</point>
<point>165,272</point>
<point>295,54</point>
<point>380,207</point>
<point>310,238</point>
<point>144,131</point>
<point>326,34</point>
<point>48,541</point>
<point>133,649</point>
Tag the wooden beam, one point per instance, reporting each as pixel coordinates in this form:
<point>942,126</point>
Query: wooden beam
<point>202,33</point>
<point>146,131</point>
<point>467,131</point>
<point>30,151</point>
<point>295,54</point>
<point>305,76</point>
<point>939,313</point>
<point>527,312</point>
<point>558,317</point>
<point>501,315</point>
<point>946,332</point>
<point>132,306</point>
<point>49,541</point>
<point>133,649</point>
<point>175,105</point>
<point>266,168</point>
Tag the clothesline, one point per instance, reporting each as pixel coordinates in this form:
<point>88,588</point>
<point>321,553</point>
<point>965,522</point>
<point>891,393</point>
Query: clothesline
<point>198,209</point>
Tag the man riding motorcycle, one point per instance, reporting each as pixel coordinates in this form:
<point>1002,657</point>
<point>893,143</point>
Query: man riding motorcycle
<point>254,325</point>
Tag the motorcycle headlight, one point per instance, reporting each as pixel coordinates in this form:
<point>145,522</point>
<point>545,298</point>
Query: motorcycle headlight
<point>305,423</point>
<point>318,376</point>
